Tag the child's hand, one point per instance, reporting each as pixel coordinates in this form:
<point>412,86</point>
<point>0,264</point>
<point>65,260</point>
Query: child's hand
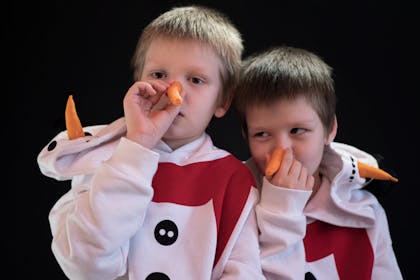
<point>145,124</point>
<point>292,174</point>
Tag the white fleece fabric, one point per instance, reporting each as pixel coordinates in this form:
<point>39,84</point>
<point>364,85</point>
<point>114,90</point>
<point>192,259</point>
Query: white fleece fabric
<point>342,233</point>
<point>149,214</point>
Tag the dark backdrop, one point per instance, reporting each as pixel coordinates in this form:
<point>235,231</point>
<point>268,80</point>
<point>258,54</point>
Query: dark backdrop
<point>57,48</point>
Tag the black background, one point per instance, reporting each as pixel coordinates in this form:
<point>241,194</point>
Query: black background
<point>84,48</point>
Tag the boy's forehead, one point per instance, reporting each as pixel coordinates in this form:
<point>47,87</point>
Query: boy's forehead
<point>257,112</point>
<point>199,54</point>
<point>257,105</point>
<point>284,113</point>
<point>193,46</point>
<point>299,103</point>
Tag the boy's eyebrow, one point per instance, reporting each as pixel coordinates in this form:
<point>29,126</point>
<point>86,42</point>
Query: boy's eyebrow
<point>306,121</point>
<point>292,122</point>
<point>258,125</point>
<point>252,129</point>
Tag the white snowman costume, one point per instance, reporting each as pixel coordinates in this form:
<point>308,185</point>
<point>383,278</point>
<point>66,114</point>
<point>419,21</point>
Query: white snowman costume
<point>151,214</point>
<point>343,227</point>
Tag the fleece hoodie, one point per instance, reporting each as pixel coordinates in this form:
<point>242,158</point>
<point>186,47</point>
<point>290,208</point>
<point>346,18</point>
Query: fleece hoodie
<point>343,227</point>
<point>151,214</point>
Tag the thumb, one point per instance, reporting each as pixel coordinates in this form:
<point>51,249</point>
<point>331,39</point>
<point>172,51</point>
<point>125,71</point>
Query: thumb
<point>165,117</point>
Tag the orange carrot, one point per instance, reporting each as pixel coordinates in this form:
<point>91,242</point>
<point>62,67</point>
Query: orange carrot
<point>368,171</point>
<point>73,125</point>
<point>274,162</point>
<point>365,170</point>
<point>174,93</point>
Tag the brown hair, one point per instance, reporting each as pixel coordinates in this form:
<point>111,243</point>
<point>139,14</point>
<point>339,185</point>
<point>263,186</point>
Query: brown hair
<point>286,73</point>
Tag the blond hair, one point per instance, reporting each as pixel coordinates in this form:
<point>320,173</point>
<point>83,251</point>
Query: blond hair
<point>199,23</point>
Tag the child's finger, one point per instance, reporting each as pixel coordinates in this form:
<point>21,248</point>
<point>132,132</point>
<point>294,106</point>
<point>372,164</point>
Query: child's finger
<point>310,181</point>
<point>307,181</point>
<point>303,173</point>
<point>145,93</point>
<point>295,169</point>
<point>286,162</point>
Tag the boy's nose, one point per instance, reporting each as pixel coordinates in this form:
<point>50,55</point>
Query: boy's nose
<point>283,141</point>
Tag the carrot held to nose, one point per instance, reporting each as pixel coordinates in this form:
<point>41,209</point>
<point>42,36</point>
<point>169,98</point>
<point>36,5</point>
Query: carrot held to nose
<point>73,125</point>
<point>174,93</point>
<point>274,163</point>
<point>365,170</point>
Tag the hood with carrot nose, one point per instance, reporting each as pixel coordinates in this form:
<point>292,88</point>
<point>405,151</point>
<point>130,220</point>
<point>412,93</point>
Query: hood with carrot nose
<point>365,170</point>
<point>74,126</point>
<point>75,130</point>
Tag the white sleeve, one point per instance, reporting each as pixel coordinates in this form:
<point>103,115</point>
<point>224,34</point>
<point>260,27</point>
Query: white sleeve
<point>244,262</point>
<point>282,225</point>
<point>385,265</point>
<point>92,224</point>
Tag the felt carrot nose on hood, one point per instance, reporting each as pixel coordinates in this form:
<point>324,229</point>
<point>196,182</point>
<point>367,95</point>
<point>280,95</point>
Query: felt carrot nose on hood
<point>73,124</point>
<point>365,170</point>
<point>369,171</point>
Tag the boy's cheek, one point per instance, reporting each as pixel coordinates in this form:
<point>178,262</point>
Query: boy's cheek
<point>259,160</point>
<point>261,167</point>
<point>259,151</point>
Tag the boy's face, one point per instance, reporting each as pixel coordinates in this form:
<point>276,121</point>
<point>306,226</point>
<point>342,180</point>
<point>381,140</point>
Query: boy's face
<point>287,124</point>
<point>197,68</point>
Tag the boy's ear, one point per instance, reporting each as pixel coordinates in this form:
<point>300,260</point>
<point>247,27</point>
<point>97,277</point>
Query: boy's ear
<point>333,132</point>
<point>222,108</point>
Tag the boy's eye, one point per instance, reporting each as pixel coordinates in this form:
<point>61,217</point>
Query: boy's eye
<point>261,134</point>
<point>158,75</point>
<point>196,80</point>
<point>297,130</point>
